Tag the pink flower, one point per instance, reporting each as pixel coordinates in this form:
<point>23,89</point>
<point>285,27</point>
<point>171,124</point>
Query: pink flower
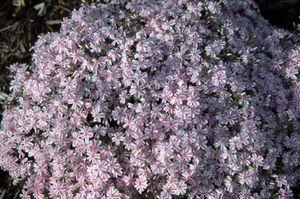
<point>86,133</point>
<point>118,138</point>
<point>98,112</point>
<point>113,193</point>
<point>118,114</point>
<point>257,160</point>
<point>219,78</point>
<point>215,48</point>
<point>141,184</point>
<point>156,100</point>
<point>180,189</point>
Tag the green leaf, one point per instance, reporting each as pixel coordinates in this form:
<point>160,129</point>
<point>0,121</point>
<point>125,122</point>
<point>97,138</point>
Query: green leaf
<point>53,22</point>
<point>3,96</point>
<point>40,8</point>
<point>2,194</point>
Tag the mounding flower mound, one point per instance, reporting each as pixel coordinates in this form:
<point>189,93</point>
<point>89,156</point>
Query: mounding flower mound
<point>157,99</point>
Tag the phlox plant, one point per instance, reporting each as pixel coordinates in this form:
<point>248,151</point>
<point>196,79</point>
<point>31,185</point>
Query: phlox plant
<point>157,99</point>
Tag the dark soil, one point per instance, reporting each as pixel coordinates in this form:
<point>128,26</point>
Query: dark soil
<point>281,13</point>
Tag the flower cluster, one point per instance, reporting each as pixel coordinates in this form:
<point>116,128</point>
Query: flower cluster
<point>157,99</point>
